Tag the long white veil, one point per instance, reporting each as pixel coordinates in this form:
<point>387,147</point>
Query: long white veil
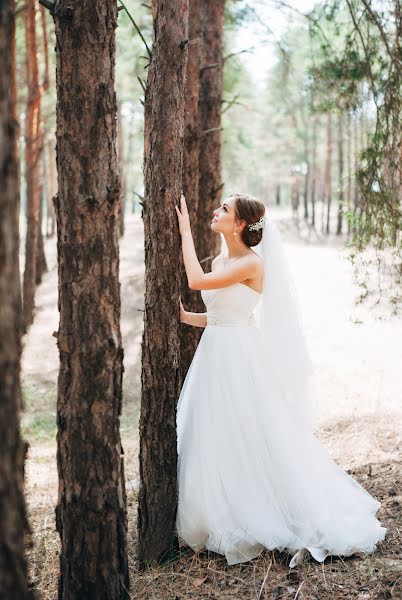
<point>279,318</point>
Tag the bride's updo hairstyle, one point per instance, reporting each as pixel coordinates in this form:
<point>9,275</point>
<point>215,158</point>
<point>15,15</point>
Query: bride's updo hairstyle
<point>250,210</point>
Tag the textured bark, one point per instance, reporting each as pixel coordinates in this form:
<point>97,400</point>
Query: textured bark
<point>32,162</point>
<point>190,336</point>
<point>208,244</point>
<point>91,510</point>
<point>13,520</point>
<point>160,377</point>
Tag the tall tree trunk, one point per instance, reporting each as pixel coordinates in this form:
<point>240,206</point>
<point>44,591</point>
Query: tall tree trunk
<point>13,519</point>
<point>160,377</point>
<point>32,163</point>
<point>47,147</point>
<point>294,194</point>
<point>91,510</point>
<point>120,152</point>
<point>313,190</point>
<point>52,185</point>
<point>350,171</point>
<point>306,178</point>
<point>356,198</point>
<point>210,102</point>
<point>190,336</point>
<point>328,171</point>
<point>278,195</point>
<point>41,264</point>
<point>340,171</point>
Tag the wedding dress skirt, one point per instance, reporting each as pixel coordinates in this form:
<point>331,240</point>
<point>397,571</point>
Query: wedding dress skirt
<point>248,476</point>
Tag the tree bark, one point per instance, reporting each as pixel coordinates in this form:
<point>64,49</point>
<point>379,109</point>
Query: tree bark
<point>160,377</point>
<point>91,510</point>
<point>13,518</point>
<point>32,163</point>
<point>210,102</point>
<point>192,301</point>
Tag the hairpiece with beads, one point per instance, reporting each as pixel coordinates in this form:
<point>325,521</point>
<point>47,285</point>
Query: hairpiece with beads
<point>257,225</point>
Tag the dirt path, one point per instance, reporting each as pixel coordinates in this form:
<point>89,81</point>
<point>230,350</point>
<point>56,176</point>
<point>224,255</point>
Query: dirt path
<point>357,356</point>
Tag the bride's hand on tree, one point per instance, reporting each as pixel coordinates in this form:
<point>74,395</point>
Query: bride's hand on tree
<point>183,217</point>
<point>182,312</point>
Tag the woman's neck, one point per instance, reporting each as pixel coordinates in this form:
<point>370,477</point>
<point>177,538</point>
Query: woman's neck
<point>235,247</point>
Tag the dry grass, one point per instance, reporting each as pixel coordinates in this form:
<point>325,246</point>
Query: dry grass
<point>207,575</point>
<point>368,446</point>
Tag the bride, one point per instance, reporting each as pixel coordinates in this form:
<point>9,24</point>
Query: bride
<point>251,473</point>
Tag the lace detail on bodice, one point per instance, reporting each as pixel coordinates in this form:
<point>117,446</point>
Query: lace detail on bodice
<point>232,305</point>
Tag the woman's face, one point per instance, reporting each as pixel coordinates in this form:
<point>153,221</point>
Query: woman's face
<point>224,219</point>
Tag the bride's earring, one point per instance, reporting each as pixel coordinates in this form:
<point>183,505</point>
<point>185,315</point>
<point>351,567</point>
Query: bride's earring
<point>235,232</point>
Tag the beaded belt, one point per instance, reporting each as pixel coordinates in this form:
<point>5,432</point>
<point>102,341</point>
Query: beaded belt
<point>230,322</point>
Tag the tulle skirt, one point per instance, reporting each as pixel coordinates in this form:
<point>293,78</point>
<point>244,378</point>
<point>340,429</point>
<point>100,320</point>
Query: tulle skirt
<point>248,477</point>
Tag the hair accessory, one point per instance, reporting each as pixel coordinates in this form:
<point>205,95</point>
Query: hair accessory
<point>257,225</point>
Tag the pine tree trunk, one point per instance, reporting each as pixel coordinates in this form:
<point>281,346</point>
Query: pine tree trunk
<point>328,172</point>
<point>356,198</point>
<point>340,168</point>
<point>294,195</point>
<point>120,148</point>
<point>32,163</point>
<point>350,171</point>
<point>41,264</point>
<point>210,103</point>
<point>160,377</point>
<point>51,158</point>
<point>91,510</point>
<point>13,519</point>
<point>306,178</point>
<point>313,190</point>
<point>192,301</point>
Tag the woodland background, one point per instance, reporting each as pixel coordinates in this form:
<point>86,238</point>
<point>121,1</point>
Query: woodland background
<point>309,120</point>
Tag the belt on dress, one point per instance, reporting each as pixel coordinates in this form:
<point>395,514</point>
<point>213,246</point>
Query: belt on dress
<point>215,321</point>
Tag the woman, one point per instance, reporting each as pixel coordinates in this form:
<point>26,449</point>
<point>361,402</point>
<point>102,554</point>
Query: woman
<point>251,473</point>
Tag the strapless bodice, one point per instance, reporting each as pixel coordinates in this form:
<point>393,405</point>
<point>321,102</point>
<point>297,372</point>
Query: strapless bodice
<point>231,305</point>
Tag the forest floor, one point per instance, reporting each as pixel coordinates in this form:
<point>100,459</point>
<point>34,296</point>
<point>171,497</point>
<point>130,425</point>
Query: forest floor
<point>357,353</point>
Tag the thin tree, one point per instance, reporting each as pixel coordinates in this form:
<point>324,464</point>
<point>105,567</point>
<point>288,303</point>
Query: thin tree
<point>32,162</point>
<point>328,171</point>
<point>122,173</point>
<point>340,172</point>
<point>13,519</point>
<point>41,264</point>
<point>313,190</point>
<point>190,336</point>
<point>210,103</point>
<point>160,377</point>
<point>91,509</point>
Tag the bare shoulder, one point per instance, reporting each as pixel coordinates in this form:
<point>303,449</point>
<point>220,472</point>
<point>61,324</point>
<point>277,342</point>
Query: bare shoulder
<point>253,259</point>
<point>216,260</point>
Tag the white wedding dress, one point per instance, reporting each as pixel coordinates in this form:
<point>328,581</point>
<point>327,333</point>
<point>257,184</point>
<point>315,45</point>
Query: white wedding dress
<point>248,476</point>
